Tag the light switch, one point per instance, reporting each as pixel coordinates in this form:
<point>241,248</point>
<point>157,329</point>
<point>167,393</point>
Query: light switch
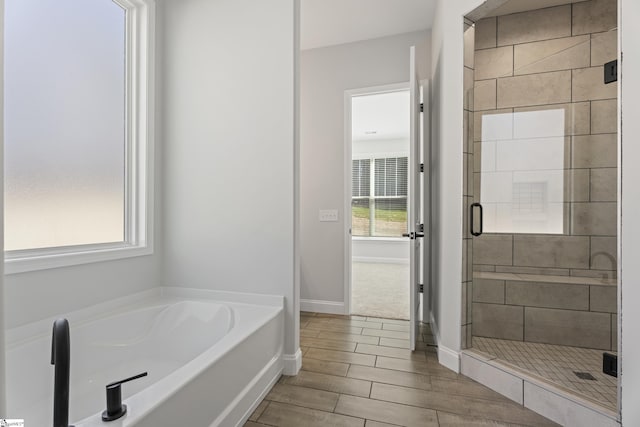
<point>328,215</point>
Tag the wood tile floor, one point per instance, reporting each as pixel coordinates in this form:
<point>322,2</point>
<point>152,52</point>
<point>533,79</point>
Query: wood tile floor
<point>358,371</point>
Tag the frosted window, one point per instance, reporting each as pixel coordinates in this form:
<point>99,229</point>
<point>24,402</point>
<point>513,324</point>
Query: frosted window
<point>64,123</point>
<point>522,160</point>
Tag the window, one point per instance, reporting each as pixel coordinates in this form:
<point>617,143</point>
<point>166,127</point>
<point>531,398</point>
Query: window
<point>78,139</point>
<point>383,212</point>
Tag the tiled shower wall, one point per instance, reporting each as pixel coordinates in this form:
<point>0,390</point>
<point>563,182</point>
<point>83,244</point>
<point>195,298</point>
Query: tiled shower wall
<point>556,289</point>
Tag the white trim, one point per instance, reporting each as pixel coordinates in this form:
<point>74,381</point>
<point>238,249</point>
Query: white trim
<point>139,188</point>
<point>292,363</point>
<point>318,306</point>
<point>446,357</point>
<point>250,396</point>
<point>348,95</point>
<point>380,260</point>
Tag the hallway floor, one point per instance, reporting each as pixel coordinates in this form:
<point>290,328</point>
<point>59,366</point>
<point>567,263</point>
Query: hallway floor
<point>558,364</point>
<point>380,290</point>
<point>357,371</point>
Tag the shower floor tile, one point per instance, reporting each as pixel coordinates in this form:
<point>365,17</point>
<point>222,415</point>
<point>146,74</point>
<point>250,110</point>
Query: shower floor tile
<point>559,364</point>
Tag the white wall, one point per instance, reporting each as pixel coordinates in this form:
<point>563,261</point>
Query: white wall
<point>325,75</point>
<point>629,274</point>
<point>447,87</point>
<point>3,306</point>
<point>229,79</point>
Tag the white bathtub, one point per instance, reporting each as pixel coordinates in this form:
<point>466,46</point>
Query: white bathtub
<point>209,362</point>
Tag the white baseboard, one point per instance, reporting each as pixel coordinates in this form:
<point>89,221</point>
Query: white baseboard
<point>379,260</point>
<point>446,357</point>
<point>292,363</point>
<point>318,306</point>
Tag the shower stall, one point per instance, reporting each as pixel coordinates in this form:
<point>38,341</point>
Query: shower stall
<point>540,192</point>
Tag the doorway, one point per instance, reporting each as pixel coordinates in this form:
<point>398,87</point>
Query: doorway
<point>377,134</point>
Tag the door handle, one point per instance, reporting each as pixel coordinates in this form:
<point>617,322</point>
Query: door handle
<point>413,235</point>
<point>472,222</point>
<point>419,235</point>
<point>406,235</point>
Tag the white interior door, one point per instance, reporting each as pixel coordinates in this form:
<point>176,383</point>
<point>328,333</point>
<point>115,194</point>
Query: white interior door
<point>414,201</point>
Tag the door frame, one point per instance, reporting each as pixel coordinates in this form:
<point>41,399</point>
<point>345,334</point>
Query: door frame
<point>348,95</point>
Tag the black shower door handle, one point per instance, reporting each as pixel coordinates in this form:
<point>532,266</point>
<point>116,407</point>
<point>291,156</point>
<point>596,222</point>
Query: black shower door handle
<point>473,232</point>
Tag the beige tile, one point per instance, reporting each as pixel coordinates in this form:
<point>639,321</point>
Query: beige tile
<point>552,55</point>
<point>542,24</point>
<point>383,333</point>
<point>400,353</point>
<point>324,326</point>
<point>259,410</point>
<point>386,412</point>
<point>415,366</point>
<point>480,369</point>
<point>604,253</point>
<point>469,37</point>
<point>595,151</point>
<point>254,424</point>
<point>604,299</point>
<point>479,408</point>
<point>604,116</point>
<point>464,387</point>
<point>594,16</point>
<point>604,185</point>
<point>327,344</point>
<point>568,327</point>
<point>493,63</point>
<point>393,342</point>
<point>282,415</point>
<point>551,251</point>
<point>340,356</point>
<point>496,249</point>
<point>486,33</point>
<point>387,376</point>
<point>576,185</point>
<point>498,321</point>
<point>396,327</point>
<point>604,47</point>
<point>489,291</point>
<point>576,119</point>
<point>325,367</point>
<point>484,95</point>
<point>533,270</point>
<point>614,332</point>
<point>301,396</point>
<point>331,383</point>
<point>599,219</point>
<point>454,420</point>
<point>535,89</point>
<point>548,295</point>
<point>370,423</point>
<point>309,332</point>
<point>588,85</point>
<point>337,336</point>
<point>468,88</point>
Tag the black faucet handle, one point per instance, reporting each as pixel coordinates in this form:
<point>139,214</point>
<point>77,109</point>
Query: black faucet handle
<point>115,408</point>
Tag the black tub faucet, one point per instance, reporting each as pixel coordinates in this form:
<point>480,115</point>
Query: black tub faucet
<point>60,358</point>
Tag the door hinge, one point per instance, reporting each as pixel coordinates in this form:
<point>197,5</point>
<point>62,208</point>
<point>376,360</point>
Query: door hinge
<point>421,289</point>
<point>421,107</point>
<point>421,167</point>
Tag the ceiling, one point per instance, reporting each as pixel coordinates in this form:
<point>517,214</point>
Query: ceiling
<point>332,22</point>
<point>380,116</point>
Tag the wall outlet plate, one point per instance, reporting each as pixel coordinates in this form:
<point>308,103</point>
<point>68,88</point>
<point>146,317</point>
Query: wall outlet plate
<point>328,215</point>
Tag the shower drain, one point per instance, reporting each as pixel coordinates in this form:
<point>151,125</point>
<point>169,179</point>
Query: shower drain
<point>585,376</point>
